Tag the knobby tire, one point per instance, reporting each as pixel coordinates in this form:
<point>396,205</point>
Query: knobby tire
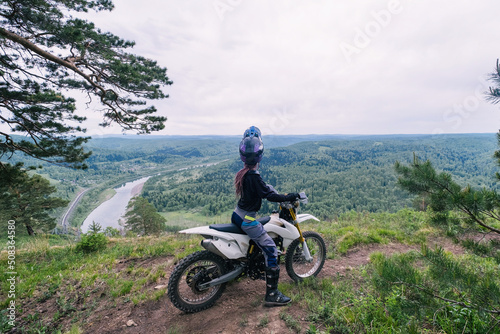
<point>187,275</point>
<point>295,260</point>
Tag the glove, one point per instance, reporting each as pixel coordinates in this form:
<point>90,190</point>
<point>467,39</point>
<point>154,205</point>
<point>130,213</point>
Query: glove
<point>303,198</point>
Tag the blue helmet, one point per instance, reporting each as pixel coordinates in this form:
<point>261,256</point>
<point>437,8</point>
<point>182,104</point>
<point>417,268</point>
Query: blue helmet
<point>252,131</point>
<point>251,146</point>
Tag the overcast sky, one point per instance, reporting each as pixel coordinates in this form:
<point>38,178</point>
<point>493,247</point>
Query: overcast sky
<point>318,67</point>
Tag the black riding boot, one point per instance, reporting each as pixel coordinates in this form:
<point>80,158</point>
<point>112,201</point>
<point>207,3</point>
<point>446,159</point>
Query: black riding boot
<point>273,296</point>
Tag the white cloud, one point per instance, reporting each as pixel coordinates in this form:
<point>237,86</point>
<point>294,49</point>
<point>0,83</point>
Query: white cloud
<point>240,62</point>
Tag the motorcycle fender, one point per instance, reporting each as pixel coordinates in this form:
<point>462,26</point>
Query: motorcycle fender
<point>305,216</point>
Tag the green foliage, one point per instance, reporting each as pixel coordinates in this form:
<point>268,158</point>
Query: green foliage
<point>46,51</point>
<point>111,232</point>
<point>483,248</point>
<point>92,242</point>
<point>211,190</point>
<point>457,294</point>
<point>291,322</point>
<point>353,229</point>
<point>494,93</point>
<point>4,321</point>
<point>75,282</point>
<point>358,301</point>
<point>392,295</point>
<point>350,173</point>
<point>95,228</point>
<point>338,175</point>
<point>479,207</point>
<point>38,242</point>
<point>342,306</point>
<point>27,200</point>
<point>142,218</point>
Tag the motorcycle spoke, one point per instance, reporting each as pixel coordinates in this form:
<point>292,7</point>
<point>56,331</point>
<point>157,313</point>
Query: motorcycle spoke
<point>198,273</point>
<point>302,267</point>
<point>298,266</point>
<point>187,284</point>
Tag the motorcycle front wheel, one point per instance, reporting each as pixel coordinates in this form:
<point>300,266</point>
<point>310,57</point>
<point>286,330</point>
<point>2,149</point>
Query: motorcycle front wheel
<point>297,267</point>
<point>184,288</point>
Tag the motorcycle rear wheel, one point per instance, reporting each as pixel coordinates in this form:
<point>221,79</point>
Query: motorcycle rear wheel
<point>296,265</point>
<point>184,284</point>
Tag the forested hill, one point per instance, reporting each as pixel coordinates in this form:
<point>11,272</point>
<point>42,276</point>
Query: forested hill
<point>340,174</point>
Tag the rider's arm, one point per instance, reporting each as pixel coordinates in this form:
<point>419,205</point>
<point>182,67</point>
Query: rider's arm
<point>267,191</point>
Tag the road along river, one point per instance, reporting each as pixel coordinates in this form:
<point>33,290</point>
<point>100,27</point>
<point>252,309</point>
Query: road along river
<point>110,212</point>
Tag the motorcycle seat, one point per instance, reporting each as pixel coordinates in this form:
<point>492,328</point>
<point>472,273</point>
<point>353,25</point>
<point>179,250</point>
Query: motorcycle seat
<point>233,228</point>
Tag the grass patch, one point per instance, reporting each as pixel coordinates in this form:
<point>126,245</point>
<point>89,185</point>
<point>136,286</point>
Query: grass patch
<point>74,280</point>
<point>290,321</point>
<point>364,302</point>
<point>353,229</point>
<point>127,270</point>
<point>264,321</point>
<point>39,243</point>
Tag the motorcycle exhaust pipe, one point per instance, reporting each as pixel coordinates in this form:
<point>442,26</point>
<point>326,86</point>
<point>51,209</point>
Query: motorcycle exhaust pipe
<point>209,246</point>
<point>223,279</point>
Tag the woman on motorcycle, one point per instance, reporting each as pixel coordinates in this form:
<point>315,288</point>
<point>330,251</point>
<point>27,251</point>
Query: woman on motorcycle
<point>251,189</point>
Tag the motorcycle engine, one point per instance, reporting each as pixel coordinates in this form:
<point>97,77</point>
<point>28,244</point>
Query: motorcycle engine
<point>256,261</point>
<point>256,264</point>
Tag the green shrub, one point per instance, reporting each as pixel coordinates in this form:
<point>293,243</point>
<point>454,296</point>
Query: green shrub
<point>112,232</point>
<point>92,242</point>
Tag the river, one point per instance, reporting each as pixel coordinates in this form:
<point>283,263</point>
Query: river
<point>110,212</point>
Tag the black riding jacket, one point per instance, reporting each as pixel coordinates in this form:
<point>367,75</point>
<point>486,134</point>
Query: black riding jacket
<point>255,189</point>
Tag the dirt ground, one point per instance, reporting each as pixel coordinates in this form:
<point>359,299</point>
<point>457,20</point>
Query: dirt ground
<point>239,310</point>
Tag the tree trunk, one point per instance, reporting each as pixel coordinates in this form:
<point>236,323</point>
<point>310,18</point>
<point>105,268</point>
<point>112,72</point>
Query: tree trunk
<point>30,230</point>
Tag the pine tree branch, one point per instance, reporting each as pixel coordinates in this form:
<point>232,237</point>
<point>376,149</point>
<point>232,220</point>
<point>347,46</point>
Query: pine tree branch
<point>24,150</point>
<point>460,206</point>
<point>47,55</point>
<point>115,108</point>
<point>490,214</point>
<point>455,302</point>
<point>480,222</point>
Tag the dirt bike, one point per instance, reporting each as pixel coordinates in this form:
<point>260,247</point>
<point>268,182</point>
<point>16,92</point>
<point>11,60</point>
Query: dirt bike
<point>198,280</point>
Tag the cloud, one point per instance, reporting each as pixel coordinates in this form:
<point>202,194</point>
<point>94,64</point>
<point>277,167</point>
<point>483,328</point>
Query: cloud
<point>236,63</point>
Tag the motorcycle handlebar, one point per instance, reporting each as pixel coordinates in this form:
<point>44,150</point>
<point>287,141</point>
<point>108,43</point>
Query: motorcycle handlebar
<point>301,199</point>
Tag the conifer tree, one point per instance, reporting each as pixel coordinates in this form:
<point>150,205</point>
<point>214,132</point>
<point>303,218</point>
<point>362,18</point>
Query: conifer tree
<point>479,207</point>
<point>45,52</point>
<point>142,218</point>
<point>441,281</point>
<point>27,200</point>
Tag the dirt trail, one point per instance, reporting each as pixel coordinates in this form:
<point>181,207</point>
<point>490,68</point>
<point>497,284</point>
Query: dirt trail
<point>239,310</point>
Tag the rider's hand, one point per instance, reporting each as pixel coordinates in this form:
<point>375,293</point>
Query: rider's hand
<point>303,197</point>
